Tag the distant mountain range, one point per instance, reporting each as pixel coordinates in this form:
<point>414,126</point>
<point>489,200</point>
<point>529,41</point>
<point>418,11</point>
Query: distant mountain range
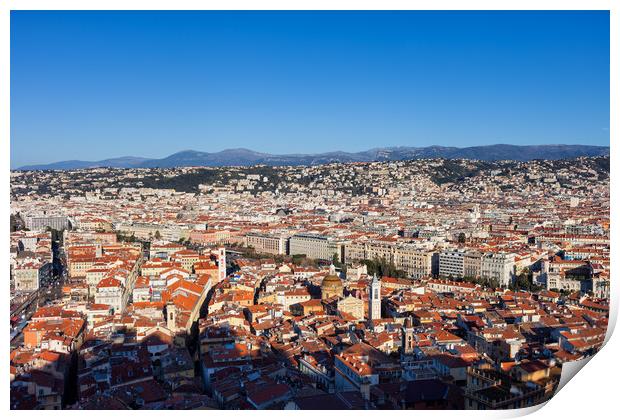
<point>245,157</point>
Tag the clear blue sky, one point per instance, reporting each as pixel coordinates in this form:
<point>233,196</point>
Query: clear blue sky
<point>94,85</point>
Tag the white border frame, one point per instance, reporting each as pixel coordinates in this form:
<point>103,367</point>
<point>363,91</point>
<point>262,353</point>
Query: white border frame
<point>593,394</point>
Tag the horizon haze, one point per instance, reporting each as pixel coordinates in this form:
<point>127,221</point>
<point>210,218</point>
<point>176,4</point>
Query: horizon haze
<point>247,157</point>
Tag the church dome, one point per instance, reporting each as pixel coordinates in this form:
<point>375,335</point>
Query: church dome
<point>331,280</point>
<point>331,285</point>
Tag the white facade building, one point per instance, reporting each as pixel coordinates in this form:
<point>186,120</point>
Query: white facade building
<point>498,266</point>
<point>452,263</point>
<point>42,222</point>
<point>315,246</point>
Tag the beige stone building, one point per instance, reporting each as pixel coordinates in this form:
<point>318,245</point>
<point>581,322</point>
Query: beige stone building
<point>352,306</point>
<point>27,276</point>
<point>415,261</point>
<point>267,244</point>
<point>472,261</point>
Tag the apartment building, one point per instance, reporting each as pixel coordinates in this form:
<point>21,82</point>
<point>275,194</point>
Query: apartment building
<point>315,246</point>
<point>27,276</point>
<point>42,222</point>
<point>417,263</point>
<point>567,275</point>
<point>210,237</point>
<point>498,266</point>
<point>452,263</point>
<point>472,261</point>
<point>268,244</point>
<point>380,250</point>
<point>355,251</point>
<point>110,291</point>
<point>412,259</point>
<point>149,231</point>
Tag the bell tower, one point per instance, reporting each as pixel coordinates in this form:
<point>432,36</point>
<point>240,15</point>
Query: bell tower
<point>171,312</point>
<point>221,264</point>
<point>407,337</point>
<point>374,299</point>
